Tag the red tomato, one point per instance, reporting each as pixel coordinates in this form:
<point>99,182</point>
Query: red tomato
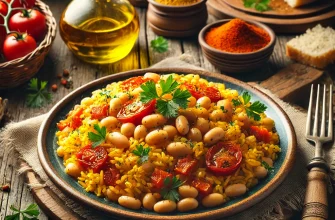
<point>261,134</point>
<point>202,186</point>
<point>31,21</point>
<point>134,111</point>
<point>111,175</point>
<point>158,177</point>
<point>22,3</point>
<point>62,125</point>
<point>76,120</point>
<point>99,112</point>
<point>224,158</point>
<point>185,165</point>
<point>201,90</point>
<point>3,11</point>
<point>93,159</point>
<point>16,46</point>
<point>133,82</point>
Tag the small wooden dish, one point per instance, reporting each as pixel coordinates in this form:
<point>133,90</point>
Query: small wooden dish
<point>19,71</point>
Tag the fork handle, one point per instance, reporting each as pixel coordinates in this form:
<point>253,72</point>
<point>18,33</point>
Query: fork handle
<point>316,204</point>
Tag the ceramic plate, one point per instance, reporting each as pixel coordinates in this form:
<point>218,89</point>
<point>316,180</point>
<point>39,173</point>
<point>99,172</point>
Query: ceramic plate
<point>53,165</point>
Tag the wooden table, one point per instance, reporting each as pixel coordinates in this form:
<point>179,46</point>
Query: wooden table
<point>61,58</point>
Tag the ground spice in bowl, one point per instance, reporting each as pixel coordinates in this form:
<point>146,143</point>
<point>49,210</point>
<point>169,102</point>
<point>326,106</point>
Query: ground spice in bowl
<point>237,36</point>
<point>177,2</point>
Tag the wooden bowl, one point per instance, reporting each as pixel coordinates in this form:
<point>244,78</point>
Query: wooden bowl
<point>178,8</point>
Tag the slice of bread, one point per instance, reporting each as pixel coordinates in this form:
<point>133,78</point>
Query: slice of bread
<point>315,48</point>
<point>297,3</point>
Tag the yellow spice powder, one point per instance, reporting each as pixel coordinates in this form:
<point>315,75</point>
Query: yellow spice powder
<point>177,2</point>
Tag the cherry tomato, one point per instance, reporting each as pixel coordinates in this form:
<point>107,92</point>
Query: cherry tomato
<point>111,175</point>
<point>62,125</point>
<point>31,21</point>
<point>133,112</point>
<point>185,165</point>
<point>224,158</point>
<point>202,186</point>
<point>158,177</point>
<point>99,112</point>
<point>93,159</point>
<point>200,90</point>
<point>261,134</point>
<point>76,120</point>
<point>22,3</point>
<point>18,45</point>
<point>3,11</point>
<point>133,82</point>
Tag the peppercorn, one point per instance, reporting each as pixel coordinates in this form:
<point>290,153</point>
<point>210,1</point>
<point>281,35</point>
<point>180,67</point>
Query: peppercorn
<point>59,76</point>
<point>69,84</point>
<point>63,82</point>
<point>54,87</point>
<point>66,72</point>
<point>5,188</point>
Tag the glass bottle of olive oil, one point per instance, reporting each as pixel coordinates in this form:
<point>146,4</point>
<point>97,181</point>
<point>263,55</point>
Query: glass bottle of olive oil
<point>99,31</point>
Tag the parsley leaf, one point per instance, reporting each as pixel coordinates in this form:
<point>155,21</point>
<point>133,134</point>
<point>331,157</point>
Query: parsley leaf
<point>142,152</point>
<point>170,188</point>
<point>223,110</point>
<point>106,93</point>
<point>168,85</point>
<point>31,212</point>
<point>160,44</point>
<point>254,110</point>
<point>167,108</point>
<point>37,94</point>
<point>266,166</point>
<point>99,137</point>
<point>180,97</point>
<point>149,92</point>
<point>259,5</point>
<point>236,102</point>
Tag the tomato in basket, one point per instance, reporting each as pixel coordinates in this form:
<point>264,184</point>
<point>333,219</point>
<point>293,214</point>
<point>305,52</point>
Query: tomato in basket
<point>22,3</point>
<point>134,111</point>
<point>92,158</point>
<point>18,45</point>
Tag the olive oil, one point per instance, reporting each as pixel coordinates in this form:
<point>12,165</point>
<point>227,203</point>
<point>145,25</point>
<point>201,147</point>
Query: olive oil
<point>99,31</point>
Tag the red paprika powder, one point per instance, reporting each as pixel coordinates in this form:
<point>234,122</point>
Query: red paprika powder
<point>237,36</point>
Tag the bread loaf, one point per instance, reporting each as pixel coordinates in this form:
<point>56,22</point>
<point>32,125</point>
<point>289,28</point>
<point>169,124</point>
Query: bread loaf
<point>315,48</point>
<point>297,3</point>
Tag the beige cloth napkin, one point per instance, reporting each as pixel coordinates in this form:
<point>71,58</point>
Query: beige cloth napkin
<point>288,196</point>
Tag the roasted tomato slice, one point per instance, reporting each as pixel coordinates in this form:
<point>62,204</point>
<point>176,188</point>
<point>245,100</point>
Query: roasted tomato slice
<point>202,186</point>
<point>158,177</point>
<point>185,165</point>
<point>133,82</point>
<point>224,158</point>
<point>75,122</point>
<point>201,90</point>
<point>93,159</point>
<point>62,125</point>
<point>261,134</point>
<point>133,112</point>
<point>99,112</point>
<point>111,175</point>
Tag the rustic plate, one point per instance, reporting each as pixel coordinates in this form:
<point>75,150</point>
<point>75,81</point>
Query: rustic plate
<point>53,165</point>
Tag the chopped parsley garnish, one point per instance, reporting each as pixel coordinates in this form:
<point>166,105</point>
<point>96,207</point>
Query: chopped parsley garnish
<point>259,5</point>
<point>37,94</point>
<point>99,137</point>
<point>222,109</point>
<point>168,108</point>
<point>170,188</point>
<point>160,44</point>
<point>266,166</point>
<point>231,123</point>
<point>142,152</point>
<point>254,110</point>
<point>106,93</point>
<point>31,212</point>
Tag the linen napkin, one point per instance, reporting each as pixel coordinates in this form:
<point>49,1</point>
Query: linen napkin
<point>22,136</point>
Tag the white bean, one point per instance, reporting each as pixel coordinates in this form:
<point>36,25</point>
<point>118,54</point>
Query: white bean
<point>109,122</point>
<point>194,134</point>
<point>204,102</point>
<point>124,97</point>
<point>189,114</point>
<point>218,115</point>
<point>118,139</point>
<point>87,101</point>
<point>227,105</point>
<point>115,106</point>
<point>260,172</point>
<point>137,91</point>
<point>268,123</point>
<point>156,137</point>
<point>140,132</point>
<point>73,169</point>
<point>179,149</point>
<point>129,202</point>
<point>127,129</point>
<point>148,167</point>
<point>60,151</point>
<point>171,130</point>
<point>268,160</point>
<point>182,125</point>
<point>154,76</point>
<point>213,136</point>
<point>187,191</point>
<point>191,102</point>
<point>245,119</point>
<point>213,199</point>
<point>203,125</point>
<point>187,204</point>
<point>112,195</point>
<point>234,190</point>
<point>165,206</point>
<point>154,120</point>
<point>149,201</point>
<point>201,112</point>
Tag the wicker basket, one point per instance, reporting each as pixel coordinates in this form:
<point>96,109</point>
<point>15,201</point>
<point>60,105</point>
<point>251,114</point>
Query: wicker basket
<point>19,71</point>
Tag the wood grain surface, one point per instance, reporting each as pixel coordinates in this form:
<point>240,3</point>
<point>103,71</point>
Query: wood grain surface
<point>141,56</point>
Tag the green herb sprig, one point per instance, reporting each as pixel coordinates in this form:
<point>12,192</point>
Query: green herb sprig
<point>259,5</point>
<point>99,137</point>
<point>142,152</point>
<point>31,212</point>
<point>254,110</point>
<point>168,108</point>
<point>266,166</point>
<point>170,188</point>
<point>37,94</point>
<point>160,44</point>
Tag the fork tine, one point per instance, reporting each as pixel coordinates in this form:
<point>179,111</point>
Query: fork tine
<point>323,119</point>
<point>330,120</point>
<point>309,114</point>
<point>316,117</point>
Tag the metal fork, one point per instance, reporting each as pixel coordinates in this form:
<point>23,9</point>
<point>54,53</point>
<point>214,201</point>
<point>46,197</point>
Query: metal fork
<point>316,204</point>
